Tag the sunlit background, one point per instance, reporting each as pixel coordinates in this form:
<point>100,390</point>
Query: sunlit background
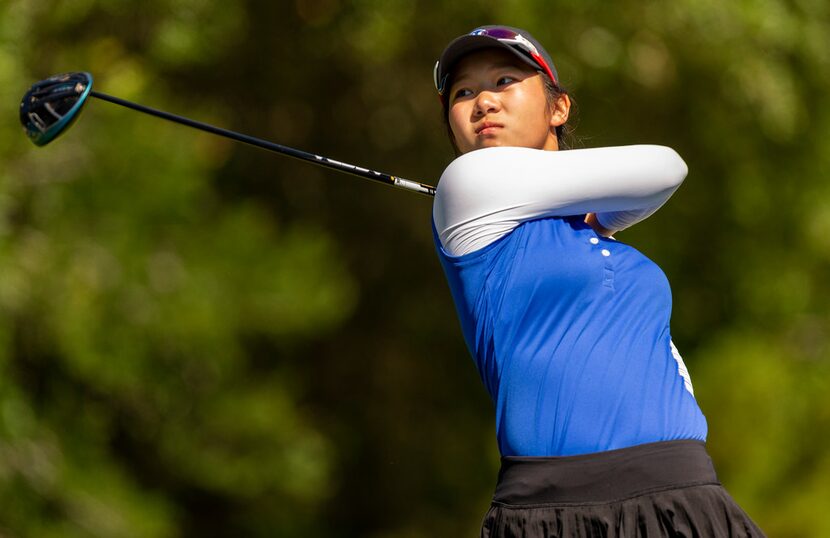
<point>199,338</point>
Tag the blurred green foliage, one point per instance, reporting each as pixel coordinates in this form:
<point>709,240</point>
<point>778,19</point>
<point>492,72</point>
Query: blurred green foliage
<point>203,339</point>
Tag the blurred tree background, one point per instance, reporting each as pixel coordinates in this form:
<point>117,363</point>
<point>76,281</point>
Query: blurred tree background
<point>199,338</point>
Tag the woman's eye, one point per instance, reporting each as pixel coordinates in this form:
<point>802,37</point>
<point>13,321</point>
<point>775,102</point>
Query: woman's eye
<point>505,80</point>
<point>461,93</point>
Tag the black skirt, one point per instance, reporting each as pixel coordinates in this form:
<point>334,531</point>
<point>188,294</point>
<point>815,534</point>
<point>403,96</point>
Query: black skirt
<point>652,490</point>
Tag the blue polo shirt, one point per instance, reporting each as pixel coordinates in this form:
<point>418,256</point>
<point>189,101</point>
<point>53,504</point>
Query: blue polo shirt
<point>570,334</point>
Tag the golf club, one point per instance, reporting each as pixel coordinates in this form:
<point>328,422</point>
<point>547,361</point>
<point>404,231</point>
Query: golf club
<point>51,105</point>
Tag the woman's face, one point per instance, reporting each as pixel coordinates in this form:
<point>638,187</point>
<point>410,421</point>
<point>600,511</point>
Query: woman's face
<point>497,100</point>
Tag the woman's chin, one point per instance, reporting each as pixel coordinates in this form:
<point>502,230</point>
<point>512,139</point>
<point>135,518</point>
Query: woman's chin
<point>489,142</point>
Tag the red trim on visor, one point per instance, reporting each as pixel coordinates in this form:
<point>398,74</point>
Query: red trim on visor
<point>541,61</point>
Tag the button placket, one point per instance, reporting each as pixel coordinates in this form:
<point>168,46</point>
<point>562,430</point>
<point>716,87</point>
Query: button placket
<point>608,269</point>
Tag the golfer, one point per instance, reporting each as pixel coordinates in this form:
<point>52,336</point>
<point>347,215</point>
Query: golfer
<point>596,420</point>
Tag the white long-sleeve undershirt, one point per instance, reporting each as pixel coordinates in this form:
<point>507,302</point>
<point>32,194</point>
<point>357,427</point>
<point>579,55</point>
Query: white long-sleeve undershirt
<point>486,193</point>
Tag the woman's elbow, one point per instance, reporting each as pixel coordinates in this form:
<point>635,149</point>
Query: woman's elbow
<point>674,167</point>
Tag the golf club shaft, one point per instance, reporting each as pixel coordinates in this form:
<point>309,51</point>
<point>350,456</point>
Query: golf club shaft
<point>271,146</point>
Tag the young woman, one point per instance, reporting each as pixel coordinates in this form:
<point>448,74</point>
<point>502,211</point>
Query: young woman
<point>596,419</point>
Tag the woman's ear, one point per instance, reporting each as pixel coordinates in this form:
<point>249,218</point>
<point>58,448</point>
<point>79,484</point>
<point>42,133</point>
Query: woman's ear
<point>560,109</point>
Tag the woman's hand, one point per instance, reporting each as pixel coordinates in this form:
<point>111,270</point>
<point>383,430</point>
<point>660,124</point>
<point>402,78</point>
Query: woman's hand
<point>591,220</point>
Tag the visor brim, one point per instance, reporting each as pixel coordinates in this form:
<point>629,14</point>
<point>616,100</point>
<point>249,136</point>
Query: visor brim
<point>467,44</point>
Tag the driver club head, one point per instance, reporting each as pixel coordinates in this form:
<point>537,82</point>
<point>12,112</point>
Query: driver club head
<point>50,106</point>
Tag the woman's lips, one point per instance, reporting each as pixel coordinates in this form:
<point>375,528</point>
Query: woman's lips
<point>488,128</point>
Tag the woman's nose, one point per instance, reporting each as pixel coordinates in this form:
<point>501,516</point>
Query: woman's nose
<point>486,102</point>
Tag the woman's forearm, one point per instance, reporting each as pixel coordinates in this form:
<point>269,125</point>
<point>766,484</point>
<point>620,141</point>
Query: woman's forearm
<point>484,194</point>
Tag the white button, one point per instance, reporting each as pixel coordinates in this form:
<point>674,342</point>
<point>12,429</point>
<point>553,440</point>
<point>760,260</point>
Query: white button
<point>594,241</point>
<point>606,252</point>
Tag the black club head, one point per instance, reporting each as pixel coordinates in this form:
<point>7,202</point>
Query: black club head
<point>50,106</point>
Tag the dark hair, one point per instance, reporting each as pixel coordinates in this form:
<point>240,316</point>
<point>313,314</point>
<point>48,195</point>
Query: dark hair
<point>564,132</point>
